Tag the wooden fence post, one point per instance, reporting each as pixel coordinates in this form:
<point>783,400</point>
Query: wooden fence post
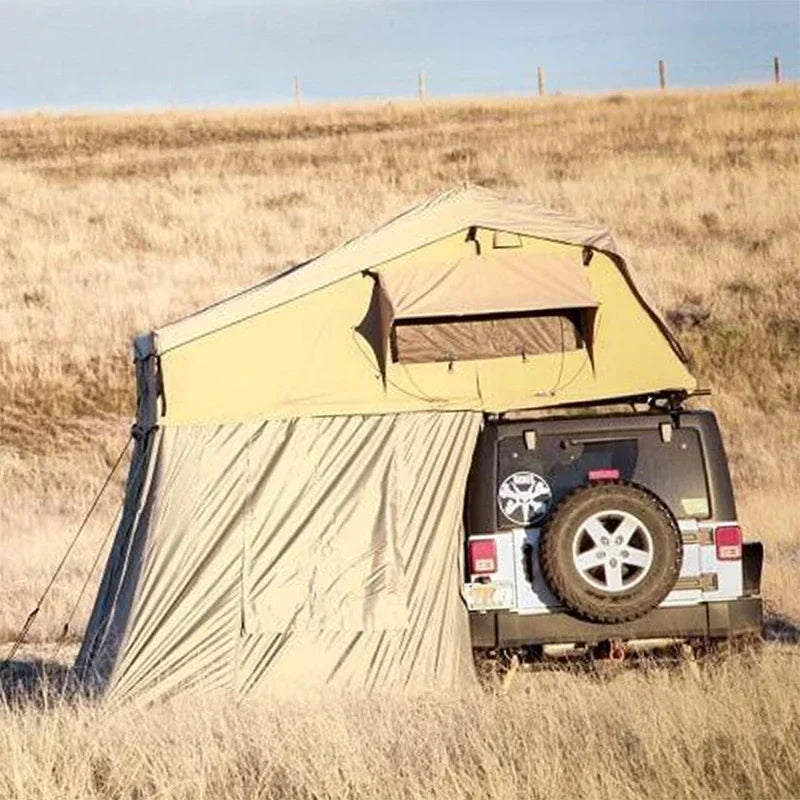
<point>423,87</point>
<point>662,74</point>
<point>540,79</point>
<point>776,66</point>
<point>297,95</point>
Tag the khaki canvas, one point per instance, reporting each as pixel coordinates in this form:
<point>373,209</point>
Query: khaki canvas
<point>498,282</point>
<point>290,556</point>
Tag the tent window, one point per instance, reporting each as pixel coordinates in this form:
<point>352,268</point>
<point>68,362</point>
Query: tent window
<point>468,338</point>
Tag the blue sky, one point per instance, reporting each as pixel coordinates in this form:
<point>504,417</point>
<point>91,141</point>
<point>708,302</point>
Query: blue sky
<point>177,53</point>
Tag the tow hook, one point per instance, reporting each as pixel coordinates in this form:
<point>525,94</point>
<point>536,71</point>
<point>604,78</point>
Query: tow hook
<point>617,651</point>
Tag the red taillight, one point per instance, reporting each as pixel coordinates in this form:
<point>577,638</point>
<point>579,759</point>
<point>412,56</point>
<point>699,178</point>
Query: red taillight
<point>728,540</point>
<point>603,475</point>
<point>482,556</point>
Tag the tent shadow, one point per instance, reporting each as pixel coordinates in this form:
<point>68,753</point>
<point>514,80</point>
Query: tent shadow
<point>36,681</point>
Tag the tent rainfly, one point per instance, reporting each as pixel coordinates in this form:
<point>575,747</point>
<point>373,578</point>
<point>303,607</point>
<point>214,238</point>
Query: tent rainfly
<point>293,511</point>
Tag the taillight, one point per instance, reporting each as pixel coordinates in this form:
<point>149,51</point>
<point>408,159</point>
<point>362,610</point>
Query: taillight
<point>482,556</point>
<point>728,540</point>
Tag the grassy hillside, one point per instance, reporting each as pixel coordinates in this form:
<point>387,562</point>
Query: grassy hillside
<point>112,224</point>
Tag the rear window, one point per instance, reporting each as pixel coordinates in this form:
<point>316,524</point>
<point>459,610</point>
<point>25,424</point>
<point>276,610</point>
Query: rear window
<point>673,471</point>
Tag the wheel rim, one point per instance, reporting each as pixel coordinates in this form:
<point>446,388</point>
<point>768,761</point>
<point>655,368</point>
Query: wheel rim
<point>612,551</point>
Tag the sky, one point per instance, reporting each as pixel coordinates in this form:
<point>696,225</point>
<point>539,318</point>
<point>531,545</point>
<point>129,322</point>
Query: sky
<point>117,54</point>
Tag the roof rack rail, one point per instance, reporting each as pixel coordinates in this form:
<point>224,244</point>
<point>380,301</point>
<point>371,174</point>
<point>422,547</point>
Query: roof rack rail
<point>663,401</point>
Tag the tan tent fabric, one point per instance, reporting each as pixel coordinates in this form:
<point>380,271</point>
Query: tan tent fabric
<point>497,282</point>
<point>290,555</point>
<point>304,343</point>
<point>324,555</point>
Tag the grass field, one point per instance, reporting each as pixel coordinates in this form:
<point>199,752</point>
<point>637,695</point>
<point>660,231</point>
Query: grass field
<point>111,224</point>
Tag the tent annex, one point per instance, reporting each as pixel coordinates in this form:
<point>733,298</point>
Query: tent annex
<point>293,511</point>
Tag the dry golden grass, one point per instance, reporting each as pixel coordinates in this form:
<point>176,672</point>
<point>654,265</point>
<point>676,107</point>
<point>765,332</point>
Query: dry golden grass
<point>112,224</point>
<point>722,731</point>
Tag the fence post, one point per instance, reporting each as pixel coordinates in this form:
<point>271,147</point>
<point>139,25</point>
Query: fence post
<point>662,74</point>
<point>540,79</point>
<point>423,87</point>
<point>297,95</point>
<point>776,65</point>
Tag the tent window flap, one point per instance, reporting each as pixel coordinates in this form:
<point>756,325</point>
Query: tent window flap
<point>464,339</point>
<point>507,303</point>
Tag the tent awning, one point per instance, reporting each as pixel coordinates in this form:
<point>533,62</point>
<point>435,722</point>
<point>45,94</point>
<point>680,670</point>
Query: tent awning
<point>487,285</point>
<point>481,306</point>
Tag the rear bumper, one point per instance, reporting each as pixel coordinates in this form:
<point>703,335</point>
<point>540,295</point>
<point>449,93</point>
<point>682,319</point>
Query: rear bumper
<point>707,620</point>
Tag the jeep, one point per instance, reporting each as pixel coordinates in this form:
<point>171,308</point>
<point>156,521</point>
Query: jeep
<point>606,529</point>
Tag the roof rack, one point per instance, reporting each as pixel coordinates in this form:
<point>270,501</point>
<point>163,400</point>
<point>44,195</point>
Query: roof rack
<point>669,401</point>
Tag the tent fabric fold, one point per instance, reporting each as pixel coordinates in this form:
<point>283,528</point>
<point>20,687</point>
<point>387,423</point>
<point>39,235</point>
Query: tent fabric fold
<point>482,306</point>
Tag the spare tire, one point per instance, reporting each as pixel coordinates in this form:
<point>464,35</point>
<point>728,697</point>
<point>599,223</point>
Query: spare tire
<point>610,552</point>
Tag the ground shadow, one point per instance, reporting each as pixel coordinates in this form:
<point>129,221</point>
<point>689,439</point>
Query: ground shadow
<point>35,681</point>
<point>780,629</point>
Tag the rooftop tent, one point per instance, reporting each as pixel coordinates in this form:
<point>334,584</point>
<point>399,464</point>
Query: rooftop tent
<point>221,364</point>
<point>293,511</point>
